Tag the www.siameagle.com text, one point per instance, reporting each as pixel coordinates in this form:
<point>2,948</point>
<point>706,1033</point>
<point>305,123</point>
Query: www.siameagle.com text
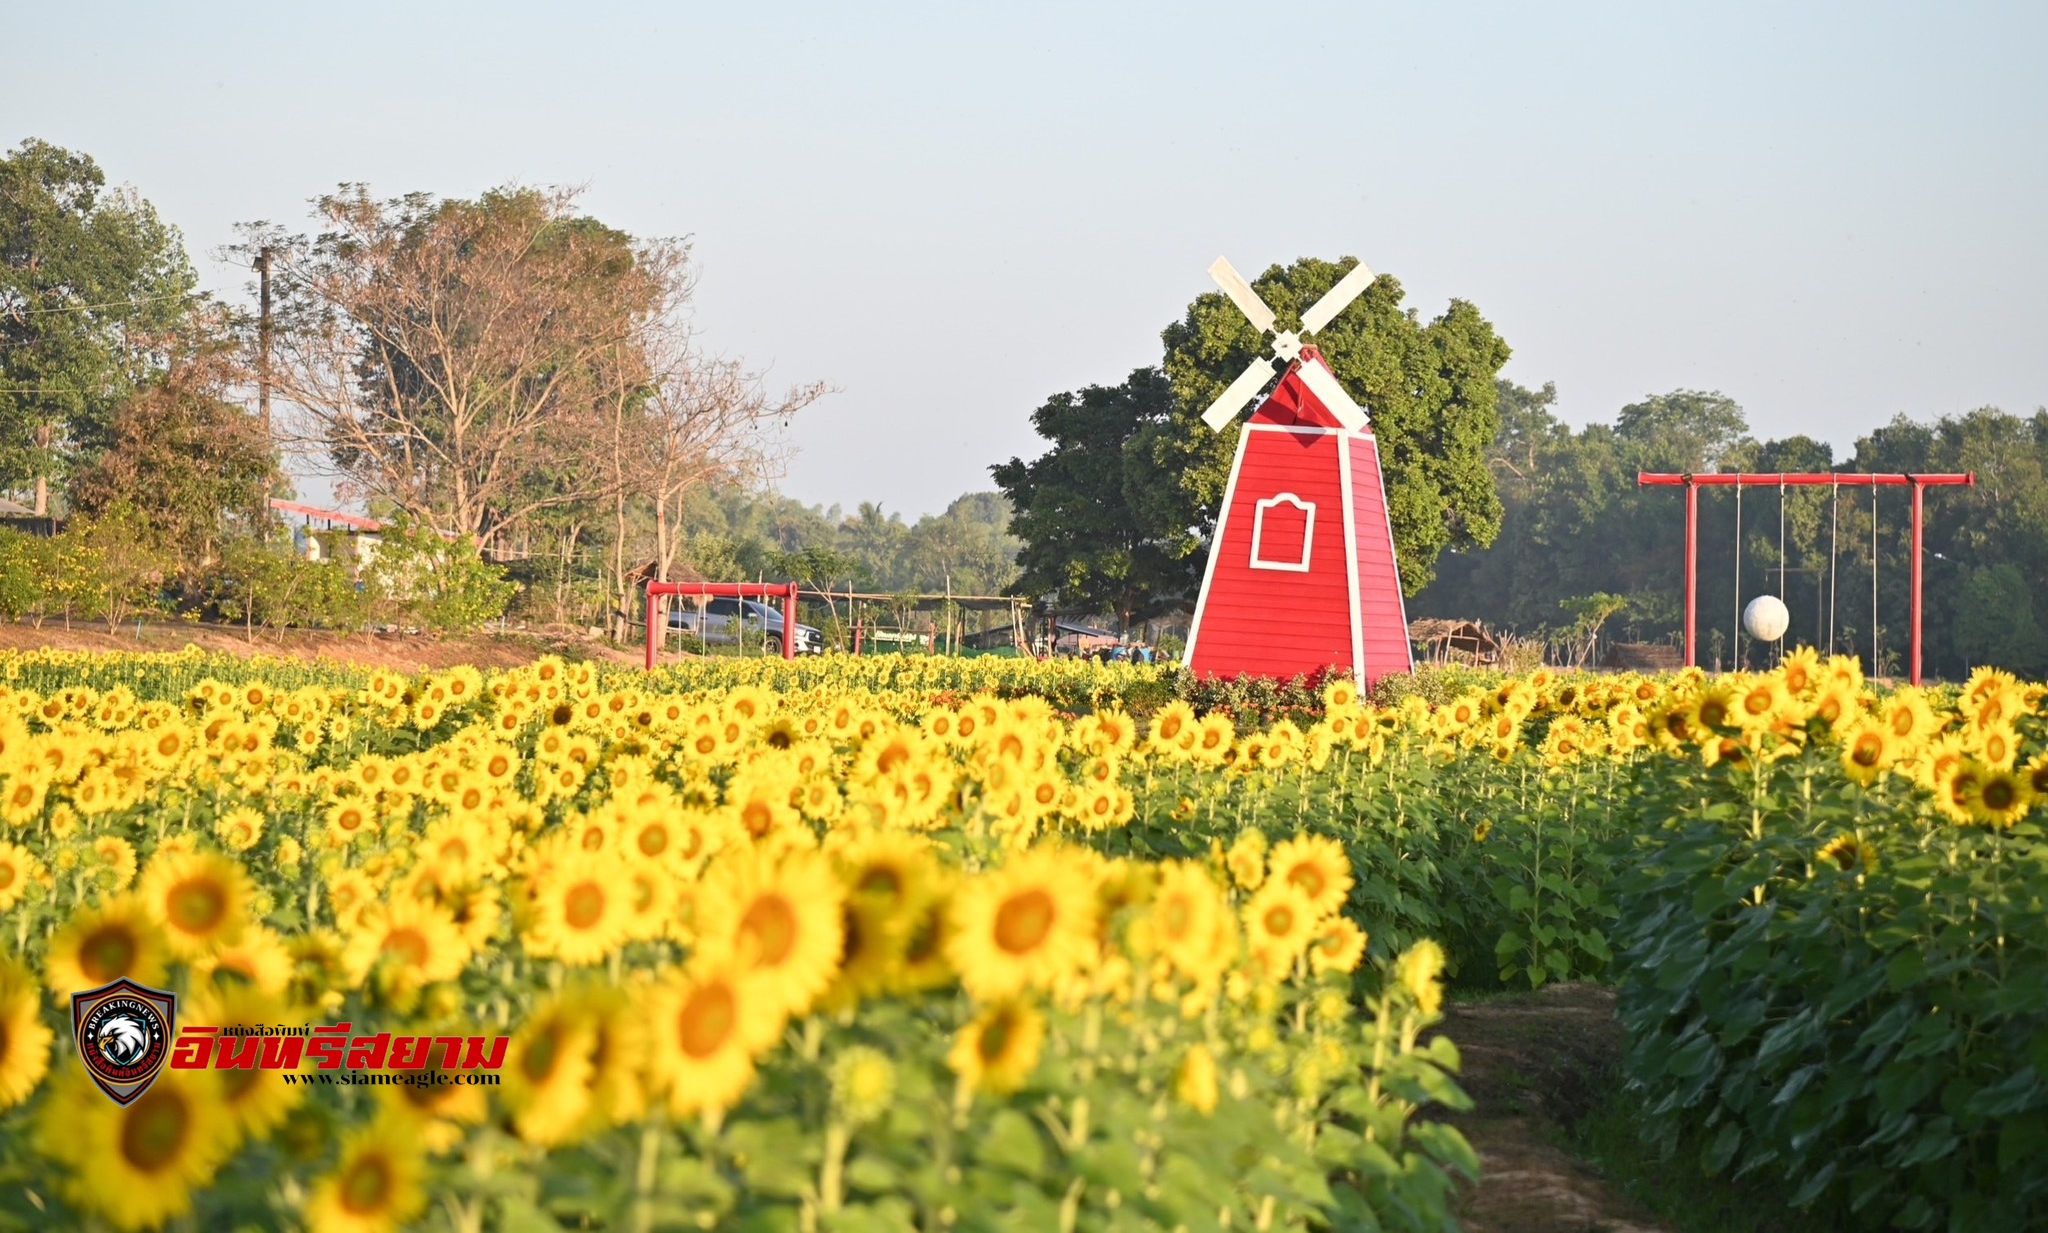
<point>334,1047</point>
<point>394,1078</point>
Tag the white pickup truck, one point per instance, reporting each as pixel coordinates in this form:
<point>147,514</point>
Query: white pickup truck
<point>731,620</point>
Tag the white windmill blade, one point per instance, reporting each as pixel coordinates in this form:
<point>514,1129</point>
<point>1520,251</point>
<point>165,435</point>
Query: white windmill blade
<point>1241,294</point>
<point>1323,383</point>
<point>1336,299</point>
<point>1241,391</point>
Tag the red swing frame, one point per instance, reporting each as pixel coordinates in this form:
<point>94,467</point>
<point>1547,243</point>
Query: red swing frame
<point>1796,479</point>
<point>786,591</point>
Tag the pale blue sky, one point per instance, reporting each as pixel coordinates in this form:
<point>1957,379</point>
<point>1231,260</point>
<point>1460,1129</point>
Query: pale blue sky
<point>1831,212</point>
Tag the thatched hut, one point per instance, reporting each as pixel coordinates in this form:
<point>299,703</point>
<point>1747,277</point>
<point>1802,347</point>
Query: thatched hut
<point>1441,641</point>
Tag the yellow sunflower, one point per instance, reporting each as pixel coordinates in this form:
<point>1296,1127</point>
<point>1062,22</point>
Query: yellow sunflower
<point>1028,923</point>
<point>2002,797</point>
<point>437,1111</point>
<point>1338,948</point>
<point>259,958</point>
<point>579,906</point>
<point>19,870</point>
<point>1194,1080</point>
<point>706,1030</point>
<point>1182,924</point>
<point>404,943</point>
<point>1175,729</point>
<point>1316,866</point>
<point>998,1050</point>
<point>1846,852</point>
<point>778,921</point>
<point>618,1056</point>
<point>238,829</point>
<point>1246,860</point>
<point>100,944</point>
<point>548,1069</point>
<point>375,1186</point>
<point>1417,970</point>
<point>24,1037</point>
<point>255,1100</point>
<point>1867,751</point>
<point>136,1165</point>
<point>1279,922</point>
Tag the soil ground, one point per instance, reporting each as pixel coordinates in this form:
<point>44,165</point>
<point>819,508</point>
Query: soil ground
<point>403,652</point>
<point>1535,1064</point>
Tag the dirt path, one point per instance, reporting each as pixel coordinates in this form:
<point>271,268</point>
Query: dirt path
<point>404,652</point>
<point>1536,1063</point>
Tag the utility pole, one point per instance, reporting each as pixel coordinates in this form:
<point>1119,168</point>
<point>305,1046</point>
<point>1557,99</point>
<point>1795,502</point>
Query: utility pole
<point>263,337</point>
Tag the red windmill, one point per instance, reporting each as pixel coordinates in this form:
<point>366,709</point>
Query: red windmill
<point>1301,570</point>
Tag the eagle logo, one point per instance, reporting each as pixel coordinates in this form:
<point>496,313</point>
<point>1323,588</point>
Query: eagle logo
<point>123,1032</point>
<point>122,1039</point>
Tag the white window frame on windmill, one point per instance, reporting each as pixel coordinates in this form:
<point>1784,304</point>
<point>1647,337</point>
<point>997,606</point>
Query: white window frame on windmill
<point>1308,533</point>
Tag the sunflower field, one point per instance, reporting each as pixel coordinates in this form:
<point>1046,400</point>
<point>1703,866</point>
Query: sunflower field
<point>928,944</point>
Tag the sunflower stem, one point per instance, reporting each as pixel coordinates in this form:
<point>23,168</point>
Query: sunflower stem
<point>832,1173</point>
<point>643,1176</point>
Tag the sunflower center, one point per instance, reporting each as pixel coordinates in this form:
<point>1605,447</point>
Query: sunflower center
<point>1998,794</point>
<point>7,874</point>
<point>877,881</point>
<point>108,952</point>
<point>1309,878</point>
<point>539,1061</point>
<point>925,938</point>
<point>707,1020</point>
<point>1279,920</point>
<point>771,923</point>
<point>653,841</point>
<point>197,905</point>
<point>852,938</point>
<point>583,906</point>
<point>1866,752</point>
<point>367,1185</point>
<point>1023,921</point>
<point>995,1038</point>
<point>408,944</point>
<point>153,1133</point>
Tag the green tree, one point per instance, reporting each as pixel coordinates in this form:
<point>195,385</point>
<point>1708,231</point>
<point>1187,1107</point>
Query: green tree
<point>1090,529</point>
<point>1428,388</point>
<point>90,280</point>
<point>1685,430</point>
<point>197,467</point>
<point>1995,622</point>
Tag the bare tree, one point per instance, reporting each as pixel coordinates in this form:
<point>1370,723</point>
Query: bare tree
<point>709,420</point>
<point>457,359</point>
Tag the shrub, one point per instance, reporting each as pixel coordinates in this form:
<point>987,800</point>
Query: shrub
<point>415,577</point>
<point>263,584</point>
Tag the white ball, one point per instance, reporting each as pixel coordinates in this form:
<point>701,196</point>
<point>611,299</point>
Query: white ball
<point>1766,618</point>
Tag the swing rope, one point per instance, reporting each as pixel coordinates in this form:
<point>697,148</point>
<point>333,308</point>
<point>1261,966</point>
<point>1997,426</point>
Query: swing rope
<point>1735,664</point>
<point>1782,592</point>
<point>1873,580</point>
<point>1834,532</point>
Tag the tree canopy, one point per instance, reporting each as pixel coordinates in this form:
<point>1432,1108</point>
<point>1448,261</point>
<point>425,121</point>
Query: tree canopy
<point>91,282</point>
<point>1093,531</point>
